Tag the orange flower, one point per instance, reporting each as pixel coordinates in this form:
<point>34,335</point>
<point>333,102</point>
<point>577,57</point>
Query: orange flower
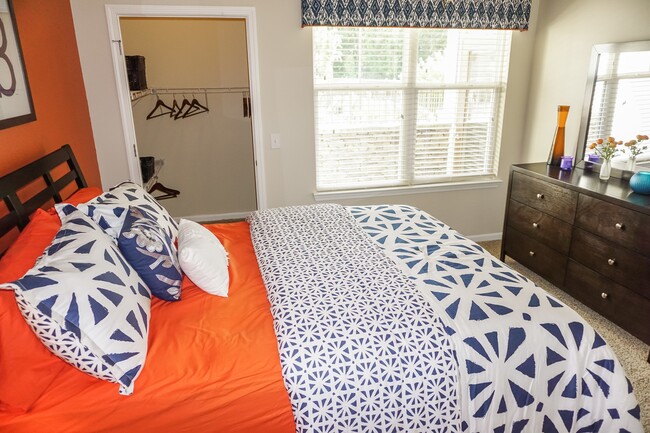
<point>608,148</point>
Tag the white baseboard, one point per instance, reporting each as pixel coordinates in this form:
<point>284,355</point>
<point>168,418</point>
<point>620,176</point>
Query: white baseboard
<point>486,237</point>
<point>215,217</point>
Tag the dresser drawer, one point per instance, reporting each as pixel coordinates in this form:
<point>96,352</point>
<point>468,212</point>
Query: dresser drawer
<point>626,267</point>
<point>551,199</point>
<point>542,227</point>
<point>617,224</point>
<point>536,256</point>
<point>620,305</point>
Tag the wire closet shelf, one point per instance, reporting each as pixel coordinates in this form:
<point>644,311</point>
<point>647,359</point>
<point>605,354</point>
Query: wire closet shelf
<point>139,94</point>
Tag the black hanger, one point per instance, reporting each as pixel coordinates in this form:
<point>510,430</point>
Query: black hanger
<point>164,109</point>
<point>245,105</point>
<point>167,192</point>
<point>196,107</point>
<point>183,109</point>
<point>175,109</point>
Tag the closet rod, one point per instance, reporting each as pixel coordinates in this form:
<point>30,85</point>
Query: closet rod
<point>137,94</point>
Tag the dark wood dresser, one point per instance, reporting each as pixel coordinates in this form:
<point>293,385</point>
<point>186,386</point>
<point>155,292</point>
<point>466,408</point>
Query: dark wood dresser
<point>589,237</point>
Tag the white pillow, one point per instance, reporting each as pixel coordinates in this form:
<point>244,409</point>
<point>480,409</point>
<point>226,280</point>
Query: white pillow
<point>202,257</point>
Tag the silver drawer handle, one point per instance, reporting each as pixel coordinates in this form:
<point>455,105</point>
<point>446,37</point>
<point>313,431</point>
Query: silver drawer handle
<point>604,295</point>
<point>531,253</point>
<point>619,226</point>
<point>535,225</point>
<point>611,262</point>
<point>540,196</point>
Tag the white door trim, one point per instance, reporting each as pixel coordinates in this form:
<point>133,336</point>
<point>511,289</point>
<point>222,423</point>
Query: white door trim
<point>113,15</point>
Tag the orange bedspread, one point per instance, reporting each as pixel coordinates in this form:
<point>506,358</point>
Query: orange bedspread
<point>212,366</point>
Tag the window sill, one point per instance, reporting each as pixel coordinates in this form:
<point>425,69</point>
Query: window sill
<point>403,190</point>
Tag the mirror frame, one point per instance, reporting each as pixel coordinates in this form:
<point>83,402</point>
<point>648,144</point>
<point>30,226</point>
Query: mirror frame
<point>596,52</point>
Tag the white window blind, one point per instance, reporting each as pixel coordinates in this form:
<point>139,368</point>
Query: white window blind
<point>400,107</point>
<point>621,99</point>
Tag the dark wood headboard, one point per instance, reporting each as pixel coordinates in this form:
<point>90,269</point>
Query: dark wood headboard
<point>10,185</point>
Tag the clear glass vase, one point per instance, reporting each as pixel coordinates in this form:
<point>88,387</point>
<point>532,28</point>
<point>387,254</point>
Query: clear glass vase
<point>631,163</point>
<point>605,169</point>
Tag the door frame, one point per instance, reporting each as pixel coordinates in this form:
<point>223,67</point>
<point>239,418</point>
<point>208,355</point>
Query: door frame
<point>115,12</point>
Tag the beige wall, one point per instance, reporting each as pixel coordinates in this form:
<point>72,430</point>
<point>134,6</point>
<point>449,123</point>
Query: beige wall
<point>285,64</point>
<point>189,52</point>
<point>567,30</point>
<point>209,156</point>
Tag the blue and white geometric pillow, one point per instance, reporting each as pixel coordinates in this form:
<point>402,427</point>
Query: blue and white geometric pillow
<point>109,217</point>
<point>149,249</point>
<point>130,194</point>
<point>86,303</point>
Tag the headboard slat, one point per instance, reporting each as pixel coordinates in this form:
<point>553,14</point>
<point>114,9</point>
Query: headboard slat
<point>50,192</point>
<point>8,222</point>
<point>13,182</point>
<point>49,181</point>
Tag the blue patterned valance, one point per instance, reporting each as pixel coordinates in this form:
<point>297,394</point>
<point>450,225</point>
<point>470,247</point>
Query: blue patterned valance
<point>457,14</point>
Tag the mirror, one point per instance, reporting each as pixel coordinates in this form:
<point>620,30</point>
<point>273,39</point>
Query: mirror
<point>617,103</point>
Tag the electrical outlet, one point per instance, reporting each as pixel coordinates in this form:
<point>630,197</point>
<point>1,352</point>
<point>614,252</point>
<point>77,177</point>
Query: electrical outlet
<point>275,141</point>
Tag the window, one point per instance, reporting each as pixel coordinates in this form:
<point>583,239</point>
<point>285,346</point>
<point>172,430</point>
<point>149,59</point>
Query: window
<point>402,107</point>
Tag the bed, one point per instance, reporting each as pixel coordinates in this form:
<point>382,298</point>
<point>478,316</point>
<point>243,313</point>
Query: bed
<point>363,318</point>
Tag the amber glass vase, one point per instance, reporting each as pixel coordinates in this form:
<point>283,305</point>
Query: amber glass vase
<point>557,151</point>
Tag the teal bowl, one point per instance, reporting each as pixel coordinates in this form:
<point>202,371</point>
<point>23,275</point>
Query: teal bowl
<point>640,182</point>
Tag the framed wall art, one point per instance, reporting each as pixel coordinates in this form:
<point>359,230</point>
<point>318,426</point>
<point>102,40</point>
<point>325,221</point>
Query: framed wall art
<point>16,106</point>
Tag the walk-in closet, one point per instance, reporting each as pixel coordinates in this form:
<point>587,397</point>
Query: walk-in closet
<point>192,113</point>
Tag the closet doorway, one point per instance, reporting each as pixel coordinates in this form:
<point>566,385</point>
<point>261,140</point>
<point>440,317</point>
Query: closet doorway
<point>195,116</point>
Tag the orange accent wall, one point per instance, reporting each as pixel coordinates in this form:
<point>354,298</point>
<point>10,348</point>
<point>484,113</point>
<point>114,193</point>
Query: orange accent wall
<point>51,57</point>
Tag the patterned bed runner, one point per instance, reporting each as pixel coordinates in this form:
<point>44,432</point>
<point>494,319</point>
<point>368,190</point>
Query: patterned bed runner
<point>361,350</point>
<point>527,362</point>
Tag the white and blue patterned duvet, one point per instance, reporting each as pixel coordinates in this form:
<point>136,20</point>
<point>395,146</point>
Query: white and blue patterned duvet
<point>388,320</point>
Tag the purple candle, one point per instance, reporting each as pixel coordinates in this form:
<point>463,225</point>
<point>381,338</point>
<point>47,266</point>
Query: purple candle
<point>566,163</point>
<point>592,157</point>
